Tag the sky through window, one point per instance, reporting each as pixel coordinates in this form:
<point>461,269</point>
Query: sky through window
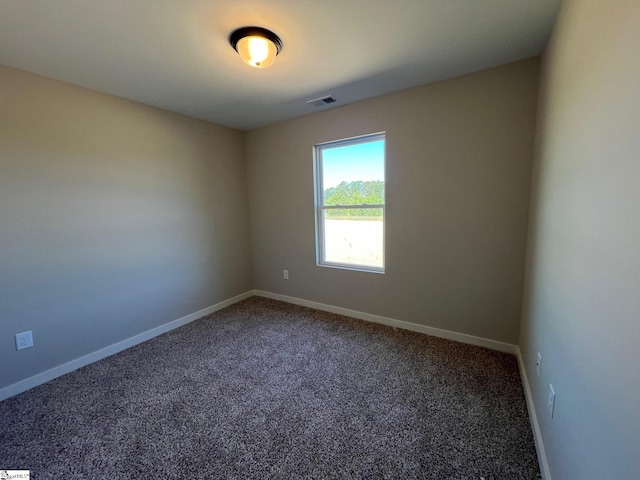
<point>363,161</point>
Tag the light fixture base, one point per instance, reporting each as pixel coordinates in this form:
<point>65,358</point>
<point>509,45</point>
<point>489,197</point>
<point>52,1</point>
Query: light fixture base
<point>242,32</point>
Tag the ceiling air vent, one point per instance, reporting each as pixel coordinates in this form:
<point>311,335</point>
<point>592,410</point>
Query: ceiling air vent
<point>320,102</point>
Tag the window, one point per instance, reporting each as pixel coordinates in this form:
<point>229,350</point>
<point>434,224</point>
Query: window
<point>349,177</point>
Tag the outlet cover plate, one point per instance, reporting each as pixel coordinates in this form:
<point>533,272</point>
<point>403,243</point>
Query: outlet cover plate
<point>24,340</point>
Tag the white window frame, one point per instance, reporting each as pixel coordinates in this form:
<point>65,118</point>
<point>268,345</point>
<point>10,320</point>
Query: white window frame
<point>320,207</point>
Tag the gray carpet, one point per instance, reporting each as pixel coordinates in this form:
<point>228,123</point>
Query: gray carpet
<point>264,389</point>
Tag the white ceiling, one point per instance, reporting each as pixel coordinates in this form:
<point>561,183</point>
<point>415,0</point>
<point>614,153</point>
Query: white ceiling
<point>175,54</point>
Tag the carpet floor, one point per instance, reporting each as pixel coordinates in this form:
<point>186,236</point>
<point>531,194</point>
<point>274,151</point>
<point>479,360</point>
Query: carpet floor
<point>269,390</point>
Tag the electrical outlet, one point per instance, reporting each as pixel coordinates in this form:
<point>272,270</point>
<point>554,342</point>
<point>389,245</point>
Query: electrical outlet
<point>551,401</point>
<point>538,363</point>
<point>24,340</point>
<point>285,274</point>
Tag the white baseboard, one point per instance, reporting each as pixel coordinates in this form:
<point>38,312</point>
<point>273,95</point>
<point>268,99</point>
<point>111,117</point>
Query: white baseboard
<point>40,378</point>
<point>535,426</point>
<point>436,332</point>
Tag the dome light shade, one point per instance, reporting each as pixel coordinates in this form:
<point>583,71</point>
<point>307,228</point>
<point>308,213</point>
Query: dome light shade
<point>257,46</point>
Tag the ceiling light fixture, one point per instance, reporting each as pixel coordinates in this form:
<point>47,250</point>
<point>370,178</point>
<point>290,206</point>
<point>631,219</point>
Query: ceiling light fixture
<point>257,46</point>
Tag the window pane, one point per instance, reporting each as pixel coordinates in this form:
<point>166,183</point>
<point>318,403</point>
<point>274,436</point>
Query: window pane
<point>354,236</point>
<point>350,175</point>
<point>353,174</point>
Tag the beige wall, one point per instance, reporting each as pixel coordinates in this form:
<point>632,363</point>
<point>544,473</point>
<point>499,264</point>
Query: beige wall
<point>582,302</point>
<point>115,218</point>
<point>459,157</point>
